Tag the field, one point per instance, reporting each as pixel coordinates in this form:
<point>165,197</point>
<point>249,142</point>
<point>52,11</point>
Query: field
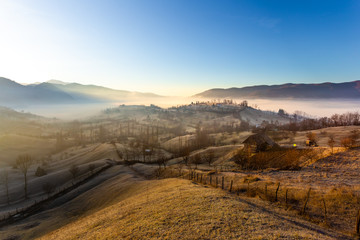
<point>153,176</point>
<point>128,206</point>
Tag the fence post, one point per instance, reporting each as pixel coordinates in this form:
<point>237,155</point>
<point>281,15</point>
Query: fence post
<point>210,179</point>
<point>306,201</point>
<point>248,189</point>
<point>216,182</point>
<point>276,193</point>
<point>358,222</point>
<point>231,184</point>
<point>201,178</point>
<point>266,191</point>
<point>222,183</point>
<point>325,211</point>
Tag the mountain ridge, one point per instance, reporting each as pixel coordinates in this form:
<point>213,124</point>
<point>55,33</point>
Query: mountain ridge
<point>288,90</point>
<point>58,92</point>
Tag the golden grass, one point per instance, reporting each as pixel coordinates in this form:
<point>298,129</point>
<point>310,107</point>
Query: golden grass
<point>179,209</point>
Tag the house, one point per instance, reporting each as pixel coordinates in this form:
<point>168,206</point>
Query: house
<point>259,142</point>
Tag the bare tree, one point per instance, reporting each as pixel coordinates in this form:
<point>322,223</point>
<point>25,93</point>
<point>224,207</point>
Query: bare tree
<point>331,143</point>
<point>196,160</point>
<point>185,153</point>
<point>5,181</point>
<point>180,167</point>
<point>354,136</point>
<point>209,157</point>
<point>23,163</point>
<point>48,188</point>
<point>74,170</point>
<point>161,159</point>
<point>346,142</point>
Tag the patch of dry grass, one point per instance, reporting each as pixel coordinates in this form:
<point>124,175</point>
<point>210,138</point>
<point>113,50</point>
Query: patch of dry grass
<point>179,209</point>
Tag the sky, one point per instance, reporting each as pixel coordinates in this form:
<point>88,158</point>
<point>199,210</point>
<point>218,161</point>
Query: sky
<point>180,47</point>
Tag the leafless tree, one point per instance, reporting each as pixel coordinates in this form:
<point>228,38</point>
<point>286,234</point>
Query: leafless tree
<point>74,170</point>
<point>346,142</point>
<point>48,188</point>
<point>354,136</point>
<point>331,143</point>
<point>5,181</point>
<point>23,163</point>
<point>196,160</point>
<point>180,167</point>
<point>209,156</point>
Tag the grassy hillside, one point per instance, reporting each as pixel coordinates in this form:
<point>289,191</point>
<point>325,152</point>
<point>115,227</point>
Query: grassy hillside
<point>127,207</point>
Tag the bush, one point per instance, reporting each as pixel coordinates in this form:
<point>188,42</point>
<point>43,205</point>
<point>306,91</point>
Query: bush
<point>280,159</point>
<point>241,158</point>
<point>346,142</point>
<point>40,172</point>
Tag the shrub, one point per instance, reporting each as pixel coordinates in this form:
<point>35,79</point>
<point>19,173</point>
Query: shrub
<point>40,172</point>
<point>281,159</point>
<point>346,142</point>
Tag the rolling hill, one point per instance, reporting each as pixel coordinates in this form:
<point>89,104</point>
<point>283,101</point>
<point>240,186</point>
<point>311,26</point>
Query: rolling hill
<point>13,94</point>
<point>346,90</point>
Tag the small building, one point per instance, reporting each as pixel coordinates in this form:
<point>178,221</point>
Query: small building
<point>259,142</point>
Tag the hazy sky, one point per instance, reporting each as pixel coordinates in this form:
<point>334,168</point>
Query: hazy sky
<point>180,47</point>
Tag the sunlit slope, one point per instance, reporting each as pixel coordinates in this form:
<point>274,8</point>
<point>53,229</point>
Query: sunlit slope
<point>12,145</point>
<point>179,209</point>
<point>125,184</point>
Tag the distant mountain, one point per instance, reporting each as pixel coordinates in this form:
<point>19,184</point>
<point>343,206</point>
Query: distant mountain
<point>348,90</point>
<point>57,82</point>
<point>102,93</point>
<point>13,94</point>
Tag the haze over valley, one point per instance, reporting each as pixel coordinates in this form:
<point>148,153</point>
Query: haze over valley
<point>179,119</point>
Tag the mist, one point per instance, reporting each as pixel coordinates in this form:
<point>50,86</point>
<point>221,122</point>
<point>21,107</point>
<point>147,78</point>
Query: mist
<point>312,107</point>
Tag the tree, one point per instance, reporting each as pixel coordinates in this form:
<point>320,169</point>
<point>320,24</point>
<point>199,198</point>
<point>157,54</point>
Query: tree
<point>196,160</point>
<point>23,163</point>
<point>354,136</point>
<point>60,142</point>
<point>312,138</point>
<point>185,153</point>
<point>180,167</point>
<point>346,142</point>
<point>74,170</point>
<point>209,157</point>
<point>201,137</point>
<point>103,133</point>
<point>161,159</point>
<point>242,158</point>
<point>331,143</point>
<point>48,188</point>
<point>5,181</point>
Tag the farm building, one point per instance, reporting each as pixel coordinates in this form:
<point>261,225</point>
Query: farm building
<point>259,142</point>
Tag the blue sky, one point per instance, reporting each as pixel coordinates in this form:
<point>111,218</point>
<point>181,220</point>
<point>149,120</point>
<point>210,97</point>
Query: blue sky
<point>180,47</point>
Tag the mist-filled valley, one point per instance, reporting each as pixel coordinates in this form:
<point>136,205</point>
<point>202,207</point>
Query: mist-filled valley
<point>311,107</point>
<point>64,153</point>
<point>179,119</point>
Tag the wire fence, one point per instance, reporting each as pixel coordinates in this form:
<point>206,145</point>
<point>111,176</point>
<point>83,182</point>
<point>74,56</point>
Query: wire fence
<point>338,208</point>
<point>21,212</point>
